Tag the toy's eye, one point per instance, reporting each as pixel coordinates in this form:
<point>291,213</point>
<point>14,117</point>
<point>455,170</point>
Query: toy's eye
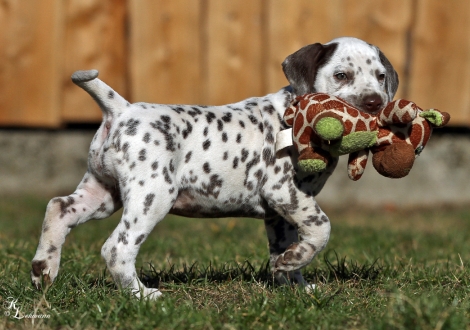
<point>341,76</point>
<point>419,150</point>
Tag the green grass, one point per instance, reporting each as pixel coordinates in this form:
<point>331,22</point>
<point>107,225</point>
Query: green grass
<point>389,270</point>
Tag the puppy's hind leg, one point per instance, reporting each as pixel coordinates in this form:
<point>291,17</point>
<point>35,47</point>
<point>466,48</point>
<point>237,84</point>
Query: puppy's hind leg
<point>92,199</point>
<point>141,213</point>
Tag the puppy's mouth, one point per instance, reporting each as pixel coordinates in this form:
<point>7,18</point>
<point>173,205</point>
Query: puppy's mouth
<point>365,109</point>
<point>370,104</point>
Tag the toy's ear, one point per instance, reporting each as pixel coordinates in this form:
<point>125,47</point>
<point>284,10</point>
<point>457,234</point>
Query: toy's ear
<point>391,80</point>
<point>301,67</point>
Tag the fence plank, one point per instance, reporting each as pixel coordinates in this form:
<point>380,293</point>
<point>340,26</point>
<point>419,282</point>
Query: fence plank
<point>95,37</point>
<point>30,37</point>
<point>215,52</point>
<point>440,75</point>
<point>293,24</point>
<point>383,23</point>
<point>234,50</point>
<point>165,42</point>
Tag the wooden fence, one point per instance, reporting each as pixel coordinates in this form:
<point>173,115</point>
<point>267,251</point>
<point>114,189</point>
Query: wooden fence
<point>215,51</point>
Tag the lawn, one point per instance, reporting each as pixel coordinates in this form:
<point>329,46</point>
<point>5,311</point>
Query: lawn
<point>389,270</point>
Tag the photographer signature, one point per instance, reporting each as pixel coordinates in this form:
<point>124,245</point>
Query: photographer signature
<point>12,309</point>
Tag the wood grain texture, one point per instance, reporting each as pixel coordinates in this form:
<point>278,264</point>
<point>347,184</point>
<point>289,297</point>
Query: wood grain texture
<point>95,38</point>
<point>165,51</point>
<point>382,23</point>
<point>30,37</point>
<point>215,52</point>
<point>234,51</point>
<point>440,70</point>
<point>293,24</point>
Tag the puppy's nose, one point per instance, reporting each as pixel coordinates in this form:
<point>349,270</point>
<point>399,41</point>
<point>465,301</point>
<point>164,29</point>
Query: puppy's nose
<point>372,102</point>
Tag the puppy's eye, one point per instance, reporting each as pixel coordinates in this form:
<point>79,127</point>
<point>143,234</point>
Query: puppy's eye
<point>341,76</point>
<point>381,77</point>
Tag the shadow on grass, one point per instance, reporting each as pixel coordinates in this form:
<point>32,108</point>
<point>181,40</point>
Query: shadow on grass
<point>336,270</point>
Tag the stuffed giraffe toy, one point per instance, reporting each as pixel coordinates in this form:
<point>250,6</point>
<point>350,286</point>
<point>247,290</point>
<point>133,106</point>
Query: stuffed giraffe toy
<point>325,126</point>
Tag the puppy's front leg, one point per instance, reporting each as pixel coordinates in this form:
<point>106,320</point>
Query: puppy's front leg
<point>281,235</point>
<point>91,200</point>
<point>314,232</point>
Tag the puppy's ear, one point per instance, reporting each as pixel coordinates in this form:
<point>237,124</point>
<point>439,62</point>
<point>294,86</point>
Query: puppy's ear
<point>301,67</point>
<point>391,80</point>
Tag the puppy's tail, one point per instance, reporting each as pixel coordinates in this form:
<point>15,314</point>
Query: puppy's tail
<point>110,102</point>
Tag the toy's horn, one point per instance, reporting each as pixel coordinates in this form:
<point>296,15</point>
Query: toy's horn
<point>436,117</point>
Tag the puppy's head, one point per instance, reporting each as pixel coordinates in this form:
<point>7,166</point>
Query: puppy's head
<point>348,68</point>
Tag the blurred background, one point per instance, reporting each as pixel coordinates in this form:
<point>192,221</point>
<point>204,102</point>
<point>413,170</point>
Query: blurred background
<point>217,52</point>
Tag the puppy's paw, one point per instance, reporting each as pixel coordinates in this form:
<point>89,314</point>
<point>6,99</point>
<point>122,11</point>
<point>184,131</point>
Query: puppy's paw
<point>42,272</point>
<point>148,293</point>
<point>296,256</point>
<point>310,288</point>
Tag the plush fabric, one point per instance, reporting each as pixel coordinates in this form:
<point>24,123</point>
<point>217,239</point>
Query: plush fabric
<point>325,126</point>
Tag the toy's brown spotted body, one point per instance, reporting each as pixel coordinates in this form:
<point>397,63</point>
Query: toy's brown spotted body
<point>308,109</point>
<point>402,112</point>
<point>401,131</point>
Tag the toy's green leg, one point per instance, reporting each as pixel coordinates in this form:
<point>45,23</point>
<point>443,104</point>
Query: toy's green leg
<point>353,142</point>
<point>329,128</point>
<point>312,165</point>
<point>313,160</point>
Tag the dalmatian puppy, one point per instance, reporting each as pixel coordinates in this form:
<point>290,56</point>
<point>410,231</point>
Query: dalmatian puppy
<point>217,161</point>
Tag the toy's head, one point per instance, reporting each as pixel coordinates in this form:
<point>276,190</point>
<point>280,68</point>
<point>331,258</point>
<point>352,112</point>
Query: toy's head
<point>399,144</point>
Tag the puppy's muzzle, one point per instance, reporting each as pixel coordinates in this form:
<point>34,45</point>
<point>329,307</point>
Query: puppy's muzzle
<point>372,103</point>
